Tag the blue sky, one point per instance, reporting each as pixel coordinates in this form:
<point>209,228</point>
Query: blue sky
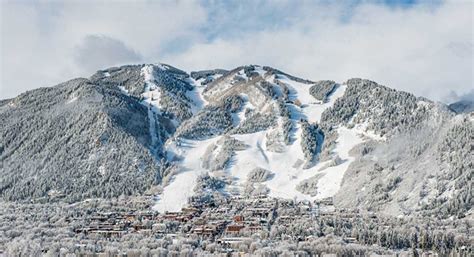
<point>423,47</point>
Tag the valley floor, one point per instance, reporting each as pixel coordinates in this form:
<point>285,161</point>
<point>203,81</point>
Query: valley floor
<point>245,226</point>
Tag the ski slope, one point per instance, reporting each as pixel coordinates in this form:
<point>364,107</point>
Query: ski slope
<point>286,165</point>
<point>151,99</point>
<point>310,107</point>
<point>175,194</point>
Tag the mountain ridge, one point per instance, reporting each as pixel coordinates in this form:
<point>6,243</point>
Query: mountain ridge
<point>301,136</point>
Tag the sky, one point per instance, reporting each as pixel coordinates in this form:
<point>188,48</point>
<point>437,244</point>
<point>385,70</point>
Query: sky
<point>422,47</point>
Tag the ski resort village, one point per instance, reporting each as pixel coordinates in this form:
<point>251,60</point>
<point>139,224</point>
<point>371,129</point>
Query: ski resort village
<point>152,161</point>
<point>236,226</point>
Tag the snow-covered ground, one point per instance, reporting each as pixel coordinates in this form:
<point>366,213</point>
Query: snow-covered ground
<point>286,165</point>
<point>329,184</point>
<point>195,95</point>
<point>175,194</point>
<point>288,174</point>
<point>151,99</point>
<point>123,90</point>
<point>71,100</point>
<point>281,164</point>
<point>259,69</point>
<point>362,129</point>
<point>310,107</point>
<point>239,116</point>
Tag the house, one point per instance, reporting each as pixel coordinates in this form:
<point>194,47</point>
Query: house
<point>255,228</point>
<point>205,230</point>
<point>234,228</point>
<point>258,211</point>
<point>238,218</point>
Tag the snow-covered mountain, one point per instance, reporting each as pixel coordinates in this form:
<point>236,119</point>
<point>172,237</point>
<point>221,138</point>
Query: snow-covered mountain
<point>463,106</point>
<point>250,131</point>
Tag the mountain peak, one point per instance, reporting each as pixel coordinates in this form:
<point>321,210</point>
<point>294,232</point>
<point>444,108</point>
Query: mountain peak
<point>170,129</point>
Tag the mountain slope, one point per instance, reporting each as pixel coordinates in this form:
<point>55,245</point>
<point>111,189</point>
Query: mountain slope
<point>463,106</point>
<point>249,131</point>
<point>422,160</point>
<point>77,139</point>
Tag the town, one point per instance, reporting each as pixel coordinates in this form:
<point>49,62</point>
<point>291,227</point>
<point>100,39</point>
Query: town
<point>231,220</point>
<point>233,224</point>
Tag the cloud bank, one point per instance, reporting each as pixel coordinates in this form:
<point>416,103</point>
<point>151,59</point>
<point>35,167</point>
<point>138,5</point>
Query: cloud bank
<point>96,52</point>
<point>425,49</point>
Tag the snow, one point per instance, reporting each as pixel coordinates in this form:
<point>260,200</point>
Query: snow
<point>362,129</point>
<point>107,74</point>
<point>314,111</point>
<point>195,95</point>
<point>287,164</point>
<point>298,90</point>
<point>330,183</point>
<point>124,90</point>
<point>259,69</point>
<point>310,107</point>
<point>242,74</point>
<point>423,103</point>
<point>239,116</point>
<point>161,66</point>
<point>217,89</point>
<point>287,174</point>
<point>73,99</point>
<point>247,106</point>
<point>216,76</point>
<point>147,73</point>
<point>102,170</point>
<point>151,99</point>
<point>281,164</point>
<point>175,195</point>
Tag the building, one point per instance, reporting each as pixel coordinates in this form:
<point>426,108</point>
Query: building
<point>234,228</point>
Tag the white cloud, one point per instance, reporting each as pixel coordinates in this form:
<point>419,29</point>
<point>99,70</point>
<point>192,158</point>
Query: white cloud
<point>41,41</point>
<point>96,52</point>
<point>423,49</point>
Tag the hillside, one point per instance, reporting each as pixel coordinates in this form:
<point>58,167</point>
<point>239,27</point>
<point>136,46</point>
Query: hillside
<point>252,130</point>
<point>76,140</point>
